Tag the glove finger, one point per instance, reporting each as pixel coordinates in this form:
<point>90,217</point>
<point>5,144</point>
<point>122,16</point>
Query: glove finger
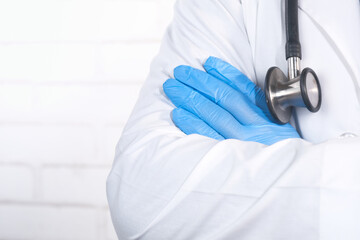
<point>191,124</point>
<point>222,94</point>
<point>216,117</point>
<point>271,134</point>
<point>237,80</point>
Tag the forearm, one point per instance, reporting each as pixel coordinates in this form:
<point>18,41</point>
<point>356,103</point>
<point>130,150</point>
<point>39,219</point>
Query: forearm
<point>166,185</point>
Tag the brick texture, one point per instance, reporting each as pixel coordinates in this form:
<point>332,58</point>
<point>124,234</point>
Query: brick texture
<point>16,182</point>
<point>69,77</point>
<point>74,185</point>
<point>93,61</point>
<point>48,222</point>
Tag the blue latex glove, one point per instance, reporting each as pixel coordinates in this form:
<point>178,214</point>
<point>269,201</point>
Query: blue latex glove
<point>222,103</point>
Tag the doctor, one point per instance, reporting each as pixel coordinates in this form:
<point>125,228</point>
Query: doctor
<point>274,185</point>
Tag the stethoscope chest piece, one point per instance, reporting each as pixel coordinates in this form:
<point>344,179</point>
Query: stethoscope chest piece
<point>275,86</point>
<point>299,88</point>
<point>283,94</point>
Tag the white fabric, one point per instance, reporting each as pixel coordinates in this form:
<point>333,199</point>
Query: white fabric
<point>166,185</point>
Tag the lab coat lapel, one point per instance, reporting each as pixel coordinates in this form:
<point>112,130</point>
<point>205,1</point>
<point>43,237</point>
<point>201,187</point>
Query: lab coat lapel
<point>339,22</point>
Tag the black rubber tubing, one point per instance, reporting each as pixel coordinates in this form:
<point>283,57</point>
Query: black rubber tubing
<point>293,47</point>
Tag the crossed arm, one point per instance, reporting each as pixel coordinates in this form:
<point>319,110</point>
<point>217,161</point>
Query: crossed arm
<point>222,103</point>
<point>165,184</point>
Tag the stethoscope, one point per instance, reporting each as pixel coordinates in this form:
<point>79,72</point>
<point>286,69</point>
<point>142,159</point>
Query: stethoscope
<point>300,88</point>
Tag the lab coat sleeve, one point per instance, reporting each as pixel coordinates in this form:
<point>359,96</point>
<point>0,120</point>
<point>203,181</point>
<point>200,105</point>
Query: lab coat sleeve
<point>166,185</point>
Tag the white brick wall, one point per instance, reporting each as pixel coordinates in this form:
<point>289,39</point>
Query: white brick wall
<point>70,72</point>
<point>13,187</point>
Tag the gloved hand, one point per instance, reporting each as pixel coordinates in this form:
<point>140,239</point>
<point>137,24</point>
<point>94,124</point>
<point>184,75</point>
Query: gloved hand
<point>222,103</point>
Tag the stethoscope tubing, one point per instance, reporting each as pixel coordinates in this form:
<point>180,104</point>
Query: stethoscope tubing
<point>293,46</point>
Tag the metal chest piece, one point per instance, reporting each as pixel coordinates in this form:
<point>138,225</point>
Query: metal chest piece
<point>300,88</point>
<point>283,93</point>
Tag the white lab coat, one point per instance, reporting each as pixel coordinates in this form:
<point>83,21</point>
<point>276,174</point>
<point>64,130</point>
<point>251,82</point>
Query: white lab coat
<point>166,185</point>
